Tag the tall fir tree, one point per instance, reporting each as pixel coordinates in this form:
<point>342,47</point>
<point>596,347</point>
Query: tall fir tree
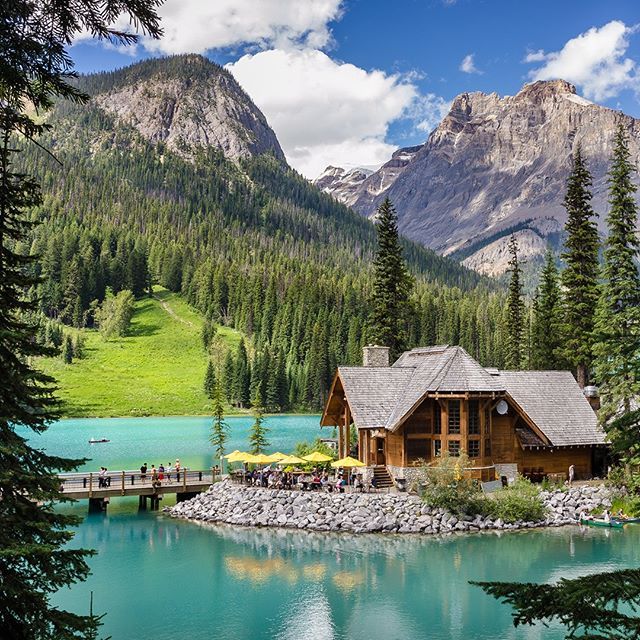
<point>258,433</point>
<point>515,316</point>
<point>580,277</point>
<point>546,337</point>
<point>242,376</point>
<point>36,558</point>
<point>210,382</point>
<point>392,285</point>
<point>219,428</point>
<point>617,332</point>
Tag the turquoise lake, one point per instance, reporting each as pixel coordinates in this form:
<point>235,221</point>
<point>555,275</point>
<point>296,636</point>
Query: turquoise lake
<point>158,578</point>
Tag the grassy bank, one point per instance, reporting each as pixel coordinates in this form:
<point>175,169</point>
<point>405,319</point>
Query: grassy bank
<point>158,369</point>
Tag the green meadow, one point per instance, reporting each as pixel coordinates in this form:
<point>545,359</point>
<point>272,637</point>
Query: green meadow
<point>157,369</point>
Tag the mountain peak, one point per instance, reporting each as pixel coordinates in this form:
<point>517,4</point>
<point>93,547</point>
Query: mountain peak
<point>542,89</point>
<point>187,102</point>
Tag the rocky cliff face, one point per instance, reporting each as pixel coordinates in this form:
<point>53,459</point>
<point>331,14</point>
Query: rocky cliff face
<point>498,165</point>
<point>188,102</point>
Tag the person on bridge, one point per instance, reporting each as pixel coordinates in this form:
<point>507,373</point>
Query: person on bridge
<point>161,472</point>
<point>102,477</point>
<point>143,473</point>
<point>169,471</point>
<point>177,470</point>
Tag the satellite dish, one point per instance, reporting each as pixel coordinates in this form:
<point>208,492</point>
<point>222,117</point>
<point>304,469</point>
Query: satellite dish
<point>502,407</point>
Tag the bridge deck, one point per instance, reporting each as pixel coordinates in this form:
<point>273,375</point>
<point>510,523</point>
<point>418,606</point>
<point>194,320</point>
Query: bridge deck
<point>114,484</point>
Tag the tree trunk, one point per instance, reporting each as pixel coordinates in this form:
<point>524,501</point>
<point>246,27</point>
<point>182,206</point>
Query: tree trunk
<point>582,375</point>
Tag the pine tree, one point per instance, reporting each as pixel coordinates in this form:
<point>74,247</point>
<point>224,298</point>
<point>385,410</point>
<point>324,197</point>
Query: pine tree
<point>67,350</point>
<point>593,607</point>
<point>546,339</point>
<point>392,285</point>
<point>35,557</point>
<point>258,432</point>
<point>580,276</point>
<point>219,428</point>
<point>210,383</point>
<point>242,376</point>
<point>516,339</point>
<point>617,346</point>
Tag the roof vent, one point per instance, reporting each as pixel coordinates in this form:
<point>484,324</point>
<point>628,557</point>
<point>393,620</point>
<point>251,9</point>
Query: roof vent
<point>375,356</point>
<point>591,391</point>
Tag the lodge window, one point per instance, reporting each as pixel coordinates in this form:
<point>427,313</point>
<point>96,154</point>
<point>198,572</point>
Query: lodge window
<point>454,416</point>
<point>487,447</point>
<point>437,448</point>
<point>474,448</point>
<point>487,420</point>
<point>474,417</point>
<point>454,448</point>
<point>437,415</point>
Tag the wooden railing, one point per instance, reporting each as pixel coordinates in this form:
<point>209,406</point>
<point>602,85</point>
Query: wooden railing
<point>126,480</point>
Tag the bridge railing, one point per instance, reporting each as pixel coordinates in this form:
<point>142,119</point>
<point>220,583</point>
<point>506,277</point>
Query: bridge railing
<point>123,480</point>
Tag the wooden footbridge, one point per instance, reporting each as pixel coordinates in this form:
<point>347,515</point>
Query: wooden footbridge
<point>100,488</point>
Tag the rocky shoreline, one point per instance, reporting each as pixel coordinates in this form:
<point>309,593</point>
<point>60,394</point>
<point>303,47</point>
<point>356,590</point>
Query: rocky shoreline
<point>234,504</point>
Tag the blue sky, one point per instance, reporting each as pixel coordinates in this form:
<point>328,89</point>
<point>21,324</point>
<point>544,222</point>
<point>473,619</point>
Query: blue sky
<point>347,82</point>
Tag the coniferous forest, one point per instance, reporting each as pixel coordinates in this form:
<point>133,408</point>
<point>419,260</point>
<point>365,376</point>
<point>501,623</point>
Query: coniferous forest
<point>252,246</point>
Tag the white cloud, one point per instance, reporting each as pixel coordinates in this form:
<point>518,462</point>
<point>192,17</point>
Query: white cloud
<point>594,60</point>
<point>468,65</point>
<point>195,26</point>
<point>328,112</point>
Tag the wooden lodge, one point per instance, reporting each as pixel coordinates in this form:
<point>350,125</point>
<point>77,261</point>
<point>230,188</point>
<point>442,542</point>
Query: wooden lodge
<point>438,399</point>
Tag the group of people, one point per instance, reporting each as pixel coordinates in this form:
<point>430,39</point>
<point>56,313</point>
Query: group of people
<point>317,479</point>
<point>161,473</point>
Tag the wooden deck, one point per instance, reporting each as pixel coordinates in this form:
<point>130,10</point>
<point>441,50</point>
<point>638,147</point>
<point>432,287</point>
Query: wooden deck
<point>100,489</point>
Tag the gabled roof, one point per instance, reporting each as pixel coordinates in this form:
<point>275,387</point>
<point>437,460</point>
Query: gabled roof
<point>373,392</point>
<point>551,401</point>
<point>442,369</point>
<point>555,404</point>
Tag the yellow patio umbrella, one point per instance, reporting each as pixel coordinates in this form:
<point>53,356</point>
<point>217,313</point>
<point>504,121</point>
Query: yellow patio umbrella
<point>347,462</point>
<point>316,456</point>
<point>277,456</point>
<point>236,456</point>
<point>260,458</point>
<point>291,460</point>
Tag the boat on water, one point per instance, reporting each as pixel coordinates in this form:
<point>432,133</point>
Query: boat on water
<point>626,520</point>
<point>597,522</point>
<point>97,440</point>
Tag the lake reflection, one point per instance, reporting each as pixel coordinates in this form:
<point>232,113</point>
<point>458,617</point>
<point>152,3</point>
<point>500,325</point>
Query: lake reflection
<point>157,577</point>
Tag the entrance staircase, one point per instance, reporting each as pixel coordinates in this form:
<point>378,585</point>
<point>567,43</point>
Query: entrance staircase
<point>383,479</point>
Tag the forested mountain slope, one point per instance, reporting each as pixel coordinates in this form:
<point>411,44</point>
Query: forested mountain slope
<point>247,241</point>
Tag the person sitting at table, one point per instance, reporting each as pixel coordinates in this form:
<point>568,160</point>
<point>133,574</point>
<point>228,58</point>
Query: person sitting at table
<point>357,483</point>
<point>340,484</point>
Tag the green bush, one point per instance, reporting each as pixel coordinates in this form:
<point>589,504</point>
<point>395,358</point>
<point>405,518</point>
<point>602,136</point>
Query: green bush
<point>519,501</point>
<point>445,487</point>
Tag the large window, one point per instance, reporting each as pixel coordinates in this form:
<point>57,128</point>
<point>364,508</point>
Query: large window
<point>454,448</point>
<point>454,416</point>
<point>474,417</point>
<point>437,448</point>
<point>474,448</point>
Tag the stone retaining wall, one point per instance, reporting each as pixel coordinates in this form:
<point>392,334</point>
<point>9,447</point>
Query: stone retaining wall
<point>364,513</point>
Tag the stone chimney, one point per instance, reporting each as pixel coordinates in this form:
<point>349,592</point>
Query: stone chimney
<point>375,356</point>
<point>592,395</point>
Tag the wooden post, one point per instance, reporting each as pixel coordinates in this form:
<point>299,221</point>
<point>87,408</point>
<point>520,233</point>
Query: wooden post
<point>184,478</point>
<point>464,425</point>
<point>122,483</point>
<point>90,484</point>
<point>347,430</point>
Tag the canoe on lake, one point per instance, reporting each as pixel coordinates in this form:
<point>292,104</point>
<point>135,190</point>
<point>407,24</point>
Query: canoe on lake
<point>596,522</point>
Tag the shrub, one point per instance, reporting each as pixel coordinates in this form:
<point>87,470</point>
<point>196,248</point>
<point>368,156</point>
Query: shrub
<point>520,501</point>
<point>445,487</point>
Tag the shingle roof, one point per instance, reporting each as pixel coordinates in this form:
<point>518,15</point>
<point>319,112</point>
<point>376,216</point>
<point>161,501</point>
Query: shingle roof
<point>555,404</point>
<point>382,397</point>
<point>373,392</point>
<point>528,438</point>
